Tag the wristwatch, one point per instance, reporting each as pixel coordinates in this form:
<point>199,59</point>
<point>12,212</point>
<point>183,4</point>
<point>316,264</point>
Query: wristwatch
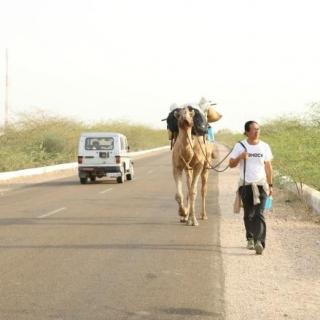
<point>270,185</point>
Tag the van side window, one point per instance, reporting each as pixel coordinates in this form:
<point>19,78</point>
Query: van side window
<point>122,143</point>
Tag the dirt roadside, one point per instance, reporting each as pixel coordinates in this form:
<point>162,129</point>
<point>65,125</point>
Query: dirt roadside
<point>284,282</point>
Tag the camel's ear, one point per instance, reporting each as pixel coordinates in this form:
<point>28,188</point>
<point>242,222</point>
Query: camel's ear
<point>190,108</point>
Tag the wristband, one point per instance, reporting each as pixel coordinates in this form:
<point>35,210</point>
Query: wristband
<point>270,185</point>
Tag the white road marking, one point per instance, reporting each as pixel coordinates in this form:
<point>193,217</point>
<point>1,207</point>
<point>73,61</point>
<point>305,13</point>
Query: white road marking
<point>51,213</point>
<point>107,190</point>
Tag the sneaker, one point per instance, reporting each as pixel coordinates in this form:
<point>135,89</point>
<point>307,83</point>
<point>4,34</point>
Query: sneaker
<point>258,247</point>
<point>250,244</point>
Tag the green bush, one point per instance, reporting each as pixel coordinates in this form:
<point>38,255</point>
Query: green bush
<point>38,139</point>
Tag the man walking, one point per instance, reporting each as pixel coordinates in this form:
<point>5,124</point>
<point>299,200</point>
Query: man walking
<point>255,183</point>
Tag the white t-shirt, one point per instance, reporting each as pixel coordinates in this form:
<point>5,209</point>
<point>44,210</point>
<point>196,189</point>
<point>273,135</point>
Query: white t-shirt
<point>258,154</point>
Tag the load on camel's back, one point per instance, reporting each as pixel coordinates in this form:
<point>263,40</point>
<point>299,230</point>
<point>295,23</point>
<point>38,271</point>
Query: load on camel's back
<point>204,113</point>
<point>192,154</point>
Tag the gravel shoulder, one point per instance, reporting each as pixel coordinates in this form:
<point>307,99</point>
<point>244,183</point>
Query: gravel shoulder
<point>284,282</point>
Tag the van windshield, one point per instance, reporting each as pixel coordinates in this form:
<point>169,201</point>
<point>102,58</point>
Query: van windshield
<point>106,143</point>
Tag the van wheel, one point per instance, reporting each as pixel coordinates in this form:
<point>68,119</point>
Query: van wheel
<point>130,175</point>
<point>93,178</point>
<point>121,178</point>
<point>83,180</point>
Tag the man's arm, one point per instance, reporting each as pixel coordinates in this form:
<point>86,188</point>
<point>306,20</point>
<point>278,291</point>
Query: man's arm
<point>268,169</point>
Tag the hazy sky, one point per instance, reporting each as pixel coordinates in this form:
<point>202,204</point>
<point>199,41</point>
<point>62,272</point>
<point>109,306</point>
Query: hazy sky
<point>101,59</point>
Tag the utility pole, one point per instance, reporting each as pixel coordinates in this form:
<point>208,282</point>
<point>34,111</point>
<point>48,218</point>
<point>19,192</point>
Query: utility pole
<point>6,103</point>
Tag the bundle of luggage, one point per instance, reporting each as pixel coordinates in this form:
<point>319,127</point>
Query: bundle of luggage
<point>204,113</point>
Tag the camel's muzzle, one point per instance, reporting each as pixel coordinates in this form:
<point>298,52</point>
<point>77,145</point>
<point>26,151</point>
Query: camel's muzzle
<point>185,124</point>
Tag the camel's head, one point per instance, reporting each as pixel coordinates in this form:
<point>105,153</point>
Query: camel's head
<point>185,117</point>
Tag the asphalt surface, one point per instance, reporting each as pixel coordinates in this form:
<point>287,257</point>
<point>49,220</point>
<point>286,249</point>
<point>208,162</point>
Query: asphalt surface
<point>109,251</point>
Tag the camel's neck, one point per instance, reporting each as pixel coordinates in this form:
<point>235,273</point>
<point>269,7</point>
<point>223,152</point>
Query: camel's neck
<point>185,135</point>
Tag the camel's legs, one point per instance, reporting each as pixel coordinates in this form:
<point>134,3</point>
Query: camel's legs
<point>204,190</point>
<point>189,179</point>
<point>177,173</point>
<point>192,220</point>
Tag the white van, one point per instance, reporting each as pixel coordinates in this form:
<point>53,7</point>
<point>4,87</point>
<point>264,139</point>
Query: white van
<point>104,154</point>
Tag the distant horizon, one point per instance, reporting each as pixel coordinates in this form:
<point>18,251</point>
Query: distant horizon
<point>163,126</point>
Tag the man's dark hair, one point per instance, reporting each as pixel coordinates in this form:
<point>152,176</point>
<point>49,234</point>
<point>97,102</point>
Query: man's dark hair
<point>247,126</point>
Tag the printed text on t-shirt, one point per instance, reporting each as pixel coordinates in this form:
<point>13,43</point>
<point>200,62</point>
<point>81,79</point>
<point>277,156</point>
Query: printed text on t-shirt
<point>255,155</point>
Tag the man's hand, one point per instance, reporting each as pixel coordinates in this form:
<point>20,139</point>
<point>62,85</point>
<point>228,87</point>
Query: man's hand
<point>270,191</point>
<point>234,162</point>
<point>243,155</point>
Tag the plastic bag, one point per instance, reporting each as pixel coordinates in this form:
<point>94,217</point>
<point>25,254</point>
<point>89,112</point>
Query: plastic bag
<point>268,204</point>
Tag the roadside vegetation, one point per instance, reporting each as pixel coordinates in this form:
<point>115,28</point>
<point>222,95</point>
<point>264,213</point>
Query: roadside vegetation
<point>295,142</point>
<point>37,139</point>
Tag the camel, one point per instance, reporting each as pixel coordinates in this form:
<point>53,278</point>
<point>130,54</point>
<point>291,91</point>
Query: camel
<point>192,154</point>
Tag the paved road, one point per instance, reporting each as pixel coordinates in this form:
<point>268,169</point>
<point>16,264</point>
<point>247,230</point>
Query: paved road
<point>108,251</point>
